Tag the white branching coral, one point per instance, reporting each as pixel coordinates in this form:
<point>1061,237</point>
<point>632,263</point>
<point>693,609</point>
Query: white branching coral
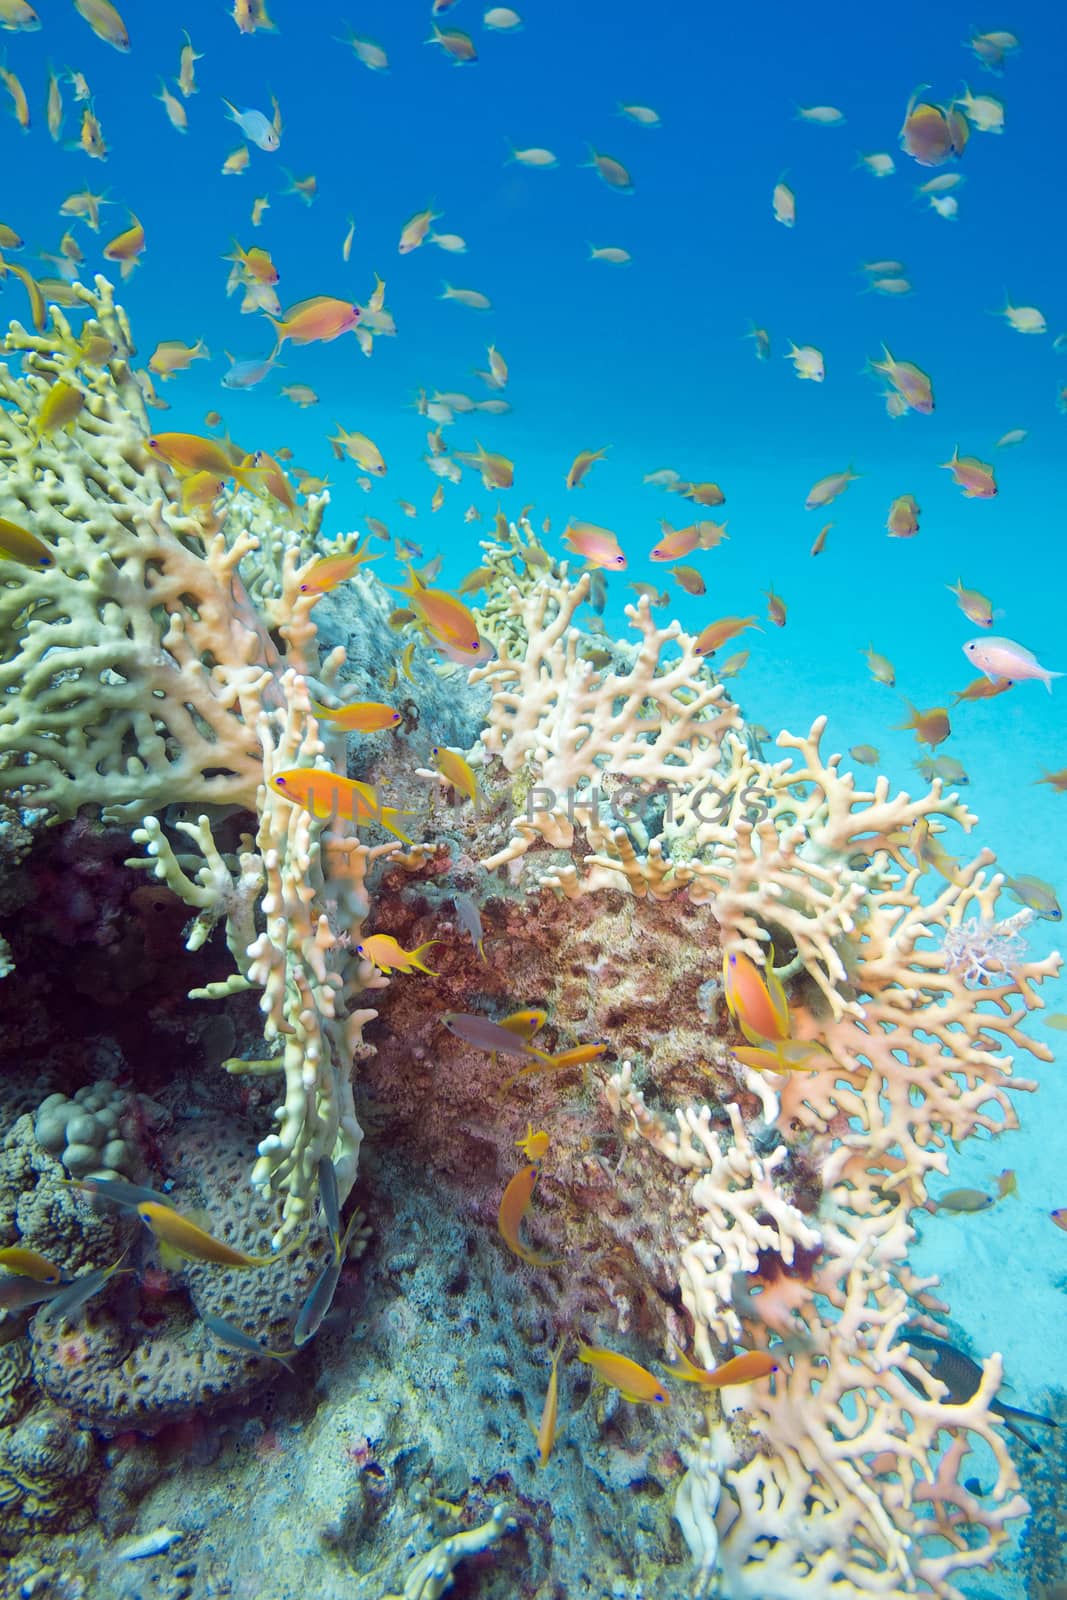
<point>571,732</point>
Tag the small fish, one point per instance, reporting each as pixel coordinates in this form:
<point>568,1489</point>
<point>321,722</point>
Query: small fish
<point>964,1200</point>
<point>306,188</point>
<point>105,22</point>
<point>60,408</point>
<point>236,161</point>
<point>807,362</point>
<point>633,1382</point>
<point>17,1259</point>
<point>754,998</point>
<point>18,14</point>
<point>820,540</point>
<point>1056,780</point>
<point>689,579</point>
<point>318,320</point>
<point>149,1544</point>
<point>581,464</point>
<point>176,112</point>
<point>472,298</point>
<point>456,770</point>
<point>359,716</point>
<point>469,921</point>
<point>612,253</point>
<point>17,544</point>
<point>346,246</point>
<point>171,356</point>
<point>745,1368</point>
<point>975,606</point>
<point>716,634</point>
<point>227,1333</point>
<point>1002,658</point>
<point>910,382</point>
<point>193,1243</point>
<point>360,449</point>
<point>187,67</point>
<point>879,165</point>
<point>508,1038</point>
<point>961,1377</point>
<point>762,341</point>
<point>929,134</point>
<point>117,1191</point>
<point>460,46</point>
<point>514,1204</point>
<point>784,204</point>
<point>1057,1020</point>
<point>19,104</point>
<point>943,767</point>
<point>498,472</point>
<point>502,19</point>
<point>246,374</point>
<point>867,754</point>
<point>982,689</point>
<point>534,156</point>
<point>678,542</point>
<point>776,609</point>
<point>19,1294</point>
<point>315,1307</point>
<point>125,247</point>
<point>256,127</point>
<point>821,116</point>
<point>732,665</point>
<point>1035,893</point>
<point>598,545</point>
<point>644,116</point>
<point>300,394</point>
<point>983,111</point>
<point>1007,1183</point>
<point>326,794</point>
<point>1013,436</point>
<point>416,229</point>
<point>533,1145</point>
<point>930,727</point>
<point>368,52</point>
<point>827,489</point>
<point>577,1056</point>
<point>976,478</point>
<point>77,1292</point>
<point>903,519</point>
<point>387,954</point>
<point>1059,1217</point>
<point>611,171</point>
<point>452,242</point>
<point>547,1432</point>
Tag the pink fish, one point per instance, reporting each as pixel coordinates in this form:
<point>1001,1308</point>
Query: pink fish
<point>976,478</point>
<point>598,545</point>
<point>1004,659</point>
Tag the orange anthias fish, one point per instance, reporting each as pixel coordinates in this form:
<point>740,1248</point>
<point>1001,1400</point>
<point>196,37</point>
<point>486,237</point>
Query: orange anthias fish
<point>513,1207</point>
<point>598,545</point>
<point>745,1368</point>
<point>126,247</point>
<point>976,478</point>
<point>581,465</point>
<point>318,320</point>
<point>390,956</point>
<point>456,770</point>
<point>931,727</point>
<point>716,634</point>
<point>187,453</point>
<point>754,998</point>
<point>329,571</point>
<point>359,716</point>
<point>633,1382</point>
<point>1059,1217</point>
<point>326,794</point>
<point>678,542</point>
<point>546,1432</point>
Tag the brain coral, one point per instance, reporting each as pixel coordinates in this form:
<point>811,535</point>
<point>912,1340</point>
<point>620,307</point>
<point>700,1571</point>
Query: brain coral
<point>140,1355</point>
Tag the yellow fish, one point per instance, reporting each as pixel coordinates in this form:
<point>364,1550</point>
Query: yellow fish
<point>633,1382</point>
<point>581,465</point>
<point>30,1264</point>
<point>125,247</point>
<point>191,1242</point>
<point>390,956</point>
<point>325,793</point>
<point>16,544</point>
<point>105,22</point>
<point>546,1433</point>
<point>329,571</point>
<point>744,1368</point>
<point>456,770</point>
<point>60,407</point>
<point>513,1207</point>
<point>360,716</point>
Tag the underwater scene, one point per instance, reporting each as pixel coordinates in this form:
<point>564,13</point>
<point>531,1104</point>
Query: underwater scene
<point>533,800</point>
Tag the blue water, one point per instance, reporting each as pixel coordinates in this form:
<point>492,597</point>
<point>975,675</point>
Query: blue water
<point>650,358</point>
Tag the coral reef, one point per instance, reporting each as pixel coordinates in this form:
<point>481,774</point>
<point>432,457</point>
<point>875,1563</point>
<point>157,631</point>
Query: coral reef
<point>628,837</point>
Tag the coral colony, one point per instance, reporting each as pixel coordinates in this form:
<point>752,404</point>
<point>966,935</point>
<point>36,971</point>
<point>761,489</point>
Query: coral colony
<point>804,1017</point>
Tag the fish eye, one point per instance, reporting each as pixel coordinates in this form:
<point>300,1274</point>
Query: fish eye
<point>476,645</point>
<point>280,782</point>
